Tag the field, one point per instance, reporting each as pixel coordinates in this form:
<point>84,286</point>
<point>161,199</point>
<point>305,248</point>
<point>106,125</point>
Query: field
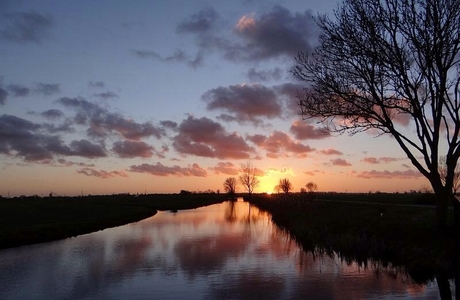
<point>389,228</point>
<point>32,219</point>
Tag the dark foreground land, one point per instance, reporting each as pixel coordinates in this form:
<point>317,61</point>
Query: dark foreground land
<point>388,228</point>
<point>33,220</point>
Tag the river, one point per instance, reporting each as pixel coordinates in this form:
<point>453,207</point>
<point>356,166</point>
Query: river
<point>225,251</point>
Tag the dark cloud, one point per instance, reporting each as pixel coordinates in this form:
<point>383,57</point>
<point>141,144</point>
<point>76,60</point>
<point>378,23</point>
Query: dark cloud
<point>276,33</point>
<point>264,75</point>
<point>177,56</point>
<point>289,91</point>
<point>47,89</point>
<point>86,149</point>
<point>304,131</point>
<point>279,144</point>
<point>159,169</point>
<point>374,174</point>
<point>246,103</point>
<point>18,90</point>
<point>3,96</point>
<point>101,173</point>
<point>206,138</point>
<point>200,22</point>
<point>69,163</point>
<point>96,84</point>
<point>169,124</point>
<point>130,149</point>
<point>340,162</point>
<point>106,95</point>
<point>225,168</point>
<point>52,114</point>
<point>25,27</point>
<point>22,138</point>
<point>101,122</point>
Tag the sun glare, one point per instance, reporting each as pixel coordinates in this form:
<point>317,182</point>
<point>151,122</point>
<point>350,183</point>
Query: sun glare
<point>269,192</point>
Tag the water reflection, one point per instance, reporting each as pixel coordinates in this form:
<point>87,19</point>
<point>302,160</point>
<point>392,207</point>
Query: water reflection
<point>226,251</point>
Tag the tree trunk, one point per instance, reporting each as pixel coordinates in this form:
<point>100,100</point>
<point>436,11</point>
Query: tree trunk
<point>442,205</point>
<point>444,259</point>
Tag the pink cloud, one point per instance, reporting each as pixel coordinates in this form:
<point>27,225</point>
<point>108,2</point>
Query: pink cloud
<point>159,169</point>
<point>380,160</point>
<point>331,151</point>
<point>407,174</point>
<point>101,173</point>
<point>340,162</point>
<point>225,168</point>
<point>304,131</point>
<point>280,144</point>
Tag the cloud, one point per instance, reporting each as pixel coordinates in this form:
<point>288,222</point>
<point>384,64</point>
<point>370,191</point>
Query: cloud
<point>47,89</point>
<point>274,34</point>
<point>68,163</point>
<point>340,162</point>
<point>159,169</point>
<point>304,131</point>
<point>106,95</point>
<point>331,151</point>
<point>130,149</point>
<point>22,138</point>
<point>86,149</point>
<point>289,91</point>
<point>206,138</point>
<point>3,96</point>
<point>169,124</point>
<point>200,22</point>
<point>177,56</point>
<point>280,144</point>
<point>101,122</point>
<point>25,27</point>
<point>380,160</point>
<point>245,103</point>
<point>277,33</point>
<point>52,114</point>
<point>264,75</point>
<point>96,84</point>
<point>225,168</point>
<point>101,173</point>
<point>18,90</point>
<point>374,174</point>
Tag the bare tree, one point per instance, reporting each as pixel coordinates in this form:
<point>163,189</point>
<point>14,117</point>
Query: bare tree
<point>311,187</point>
<point>248,177</point>
<point>230,186</point>
<point>286,185</point>
<point>379,63</point>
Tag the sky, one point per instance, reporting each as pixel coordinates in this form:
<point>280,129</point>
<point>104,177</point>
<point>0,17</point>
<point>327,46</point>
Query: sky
<point>104,97</point>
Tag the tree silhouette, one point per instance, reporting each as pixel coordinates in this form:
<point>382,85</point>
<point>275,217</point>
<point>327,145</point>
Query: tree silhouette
<point>248,177</point>
<point>382,65</point>
<point>230,186</point>
<point>311,187</point>
<point>285,185</point>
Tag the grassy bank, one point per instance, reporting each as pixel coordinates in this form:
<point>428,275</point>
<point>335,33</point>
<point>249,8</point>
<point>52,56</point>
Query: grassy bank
<point>32,220</point>
<point>402,235</point>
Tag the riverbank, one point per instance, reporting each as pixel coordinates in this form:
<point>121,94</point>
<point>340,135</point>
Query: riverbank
<point>32,220</point>
<point>402,235</point>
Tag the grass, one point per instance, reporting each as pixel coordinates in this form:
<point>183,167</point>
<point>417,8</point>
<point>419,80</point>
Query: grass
<point>402,235</point>
<point>33,220</point>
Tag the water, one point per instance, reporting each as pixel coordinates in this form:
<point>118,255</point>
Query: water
<point>225,251</point>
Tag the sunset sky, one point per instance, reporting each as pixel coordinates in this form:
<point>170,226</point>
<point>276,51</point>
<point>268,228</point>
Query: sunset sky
<point>102,97</point>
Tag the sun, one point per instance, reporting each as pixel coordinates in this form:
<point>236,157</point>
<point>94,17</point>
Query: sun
<point>269,192</point>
